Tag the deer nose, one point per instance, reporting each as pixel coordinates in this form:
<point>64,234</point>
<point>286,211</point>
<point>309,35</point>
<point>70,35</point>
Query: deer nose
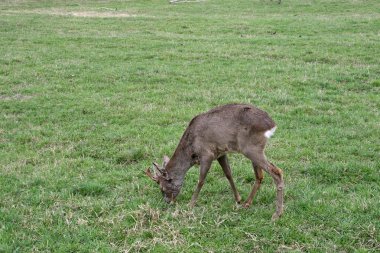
<point>167,199</point>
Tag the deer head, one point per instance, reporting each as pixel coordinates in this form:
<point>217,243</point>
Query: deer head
<point>161,176</point>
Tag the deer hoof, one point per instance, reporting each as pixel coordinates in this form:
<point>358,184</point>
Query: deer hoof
<point>275,216</point>
<point>246,205</point>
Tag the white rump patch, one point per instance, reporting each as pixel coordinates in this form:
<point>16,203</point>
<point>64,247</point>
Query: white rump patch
<point>270,132</point>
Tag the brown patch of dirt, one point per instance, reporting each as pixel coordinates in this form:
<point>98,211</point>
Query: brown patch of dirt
<point>96,14</point>
<point>84,13</point>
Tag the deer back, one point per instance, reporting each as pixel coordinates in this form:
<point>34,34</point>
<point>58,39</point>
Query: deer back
<point>226,128</point>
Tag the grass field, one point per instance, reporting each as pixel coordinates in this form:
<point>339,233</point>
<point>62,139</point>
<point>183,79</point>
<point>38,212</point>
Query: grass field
<point>91,92</point>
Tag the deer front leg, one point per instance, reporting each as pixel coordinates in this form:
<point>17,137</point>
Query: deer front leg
<point>205,166</point>
<point>223,161</point>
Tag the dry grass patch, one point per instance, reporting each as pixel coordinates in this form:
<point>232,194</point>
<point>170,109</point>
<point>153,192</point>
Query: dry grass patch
<point>77,13</point>
<point>152,230</point>
<point>17,96</point>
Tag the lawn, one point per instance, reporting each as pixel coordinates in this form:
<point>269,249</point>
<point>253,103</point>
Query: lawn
<point>91,92</point>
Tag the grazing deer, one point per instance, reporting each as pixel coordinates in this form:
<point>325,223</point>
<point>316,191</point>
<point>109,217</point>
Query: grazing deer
<point>230,128</point>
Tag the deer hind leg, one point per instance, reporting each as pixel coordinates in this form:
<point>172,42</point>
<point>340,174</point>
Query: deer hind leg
<point>223,161</point>
<point>259,178</point>
<point>258,159</point>
<point>205,166</point>
<point>279,180</point>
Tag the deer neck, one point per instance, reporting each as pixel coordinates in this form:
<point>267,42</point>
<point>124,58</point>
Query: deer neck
<point>179,164</point>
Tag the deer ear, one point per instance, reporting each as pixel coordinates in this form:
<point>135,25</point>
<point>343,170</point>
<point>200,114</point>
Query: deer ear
<point>166,161</point>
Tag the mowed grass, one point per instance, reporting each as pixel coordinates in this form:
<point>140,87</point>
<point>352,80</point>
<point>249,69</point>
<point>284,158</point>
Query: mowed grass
<point>91,92</point>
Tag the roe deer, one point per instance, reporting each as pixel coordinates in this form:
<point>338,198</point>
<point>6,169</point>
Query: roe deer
<point>238,128</point>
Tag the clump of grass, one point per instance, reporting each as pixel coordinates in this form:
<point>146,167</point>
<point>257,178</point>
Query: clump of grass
<point>89,189</point>
<point>132,155</point>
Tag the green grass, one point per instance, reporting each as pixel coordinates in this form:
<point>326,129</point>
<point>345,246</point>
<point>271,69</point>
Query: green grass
<point>88,102</point>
